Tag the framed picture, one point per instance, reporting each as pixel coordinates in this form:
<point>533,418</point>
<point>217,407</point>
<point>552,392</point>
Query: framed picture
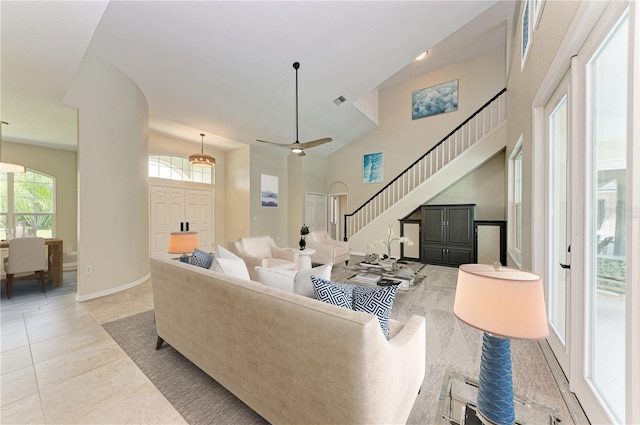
<point>435,100</point>
<point>268,191</point>
<point>372,168</point>
<point>526,33</point>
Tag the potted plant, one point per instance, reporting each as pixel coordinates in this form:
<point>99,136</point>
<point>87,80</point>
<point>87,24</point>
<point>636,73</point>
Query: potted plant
<point>304,230</point>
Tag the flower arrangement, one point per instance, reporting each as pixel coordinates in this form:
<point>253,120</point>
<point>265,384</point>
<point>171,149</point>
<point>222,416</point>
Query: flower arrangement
<point>304,230</point>
<point>391,238</point>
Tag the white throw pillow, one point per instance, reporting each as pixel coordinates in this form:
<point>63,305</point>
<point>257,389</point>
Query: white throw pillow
<point>274,278</point>
<point>292,281</point>
<point>303,285</point>
<point>232,267</point>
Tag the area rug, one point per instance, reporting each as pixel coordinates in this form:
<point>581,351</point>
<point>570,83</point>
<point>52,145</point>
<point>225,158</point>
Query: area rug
<point>195,395</point>
<point>451,345</point>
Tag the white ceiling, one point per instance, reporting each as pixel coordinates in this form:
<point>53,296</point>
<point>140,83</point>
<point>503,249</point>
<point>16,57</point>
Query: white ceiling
<point>225,68</point>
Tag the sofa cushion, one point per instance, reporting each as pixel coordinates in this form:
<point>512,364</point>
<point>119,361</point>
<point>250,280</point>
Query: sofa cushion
<point>292,281</point>
<point>339,294</point>
<point>201,258</point>
<point>376,300</point>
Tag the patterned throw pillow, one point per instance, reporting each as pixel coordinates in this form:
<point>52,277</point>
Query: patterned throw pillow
<point>201,258</point>
<point>333,293</point>
<point>376,300</point>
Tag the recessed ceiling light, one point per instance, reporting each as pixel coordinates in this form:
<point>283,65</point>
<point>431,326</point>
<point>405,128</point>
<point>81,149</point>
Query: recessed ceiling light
<point>422,55</point>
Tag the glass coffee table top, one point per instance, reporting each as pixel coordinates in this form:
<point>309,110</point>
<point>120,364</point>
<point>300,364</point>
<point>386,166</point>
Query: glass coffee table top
<point>409,273</point>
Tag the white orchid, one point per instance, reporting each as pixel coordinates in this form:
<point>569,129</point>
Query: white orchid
<point>390,240</point>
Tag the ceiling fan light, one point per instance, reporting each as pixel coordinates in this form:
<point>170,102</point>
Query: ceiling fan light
<point>296,150</point>
<point>202,159</point>
<point>422,55</point>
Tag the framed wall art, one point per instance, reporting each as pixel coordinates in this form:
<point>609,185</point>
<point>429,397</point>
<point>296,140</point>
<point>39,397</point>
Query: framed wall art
<point>434,100</point>
<point>372,167</point>
<point>268,191</point>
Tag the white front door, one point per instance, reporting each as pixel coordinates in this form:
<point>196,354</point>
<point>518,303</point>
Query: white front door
<point>170,207</point>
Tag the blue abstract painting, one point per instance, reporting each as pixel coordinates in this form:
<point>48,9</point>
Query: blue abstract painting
<point>435,100</point>
<point>268,191</point>
<point>372,168</point>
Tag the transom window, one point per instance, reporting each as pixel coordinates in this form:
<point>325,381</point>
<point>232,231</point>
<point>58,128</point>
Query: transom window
<point>26,204</point>
<point>178,168</point>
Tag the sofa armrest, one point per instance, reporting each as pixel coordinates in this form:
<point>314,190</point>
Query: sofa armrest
<point>284,254</point>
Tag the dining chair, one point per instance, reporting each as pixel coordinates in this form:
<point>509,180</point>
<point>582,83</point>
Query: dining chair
<point>25,255</point>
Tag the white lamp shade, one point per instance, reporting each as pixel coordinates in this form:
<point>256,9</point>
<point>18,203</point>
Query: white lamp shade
<point>504,302</point>
<point>183,242</point>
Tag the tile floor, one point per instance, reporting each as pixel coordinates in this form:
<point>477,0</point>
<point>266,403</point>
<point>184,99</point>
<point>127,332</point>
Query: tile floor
<point>59,366</point>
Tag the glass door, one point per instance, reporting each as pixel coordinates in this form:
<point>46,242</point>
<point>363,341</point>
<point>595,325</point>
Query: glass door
<point>558,221</point>
<point>603,366</point>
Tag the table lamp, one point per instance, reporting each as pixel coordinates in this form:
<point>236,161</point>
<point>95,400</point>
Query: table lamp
<point>183,243</point>
<point>504,303</point>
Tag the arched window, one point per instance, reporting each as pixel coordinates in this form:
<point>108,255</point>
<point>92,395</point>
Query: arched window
<point>27,206</point>
<point>178,168</point>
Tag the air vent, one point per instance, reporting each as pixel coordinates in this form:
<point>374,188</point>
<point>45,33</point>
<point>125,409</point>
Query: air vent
<point>339,100</point>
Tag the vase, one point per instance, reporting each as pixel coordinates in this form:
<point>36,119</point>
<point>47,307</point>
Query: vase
<point>303,243</point>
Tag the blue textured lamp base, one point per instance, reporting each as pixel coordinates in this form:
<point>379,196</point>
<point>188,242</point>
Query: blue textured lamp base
<point>495,387</point>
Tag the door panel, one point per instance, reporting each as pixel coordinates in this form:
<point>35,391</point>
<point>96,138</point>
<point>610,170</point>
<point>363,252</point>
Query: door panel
<point>433,225</point>
<point>459,230</point>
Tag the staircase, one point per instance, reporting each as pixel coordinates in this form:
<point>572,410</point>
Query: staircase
<point>467,147</point>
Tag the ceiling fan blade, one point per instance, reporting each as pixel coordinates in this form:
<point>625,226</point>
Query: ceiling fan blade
<point>312,143</point>
<point>272,143</point>
<point>301,153</point>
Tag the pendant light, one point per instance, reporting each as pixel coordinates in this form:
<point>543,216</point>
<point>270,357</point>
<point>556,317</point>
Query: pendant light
<point>202,159</point>
<point>6,167</point>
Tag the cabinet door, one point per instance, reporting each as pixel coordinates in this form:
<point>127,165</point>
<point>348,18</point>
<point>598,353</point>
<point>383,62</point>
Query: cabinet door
<point>457,256</point>
<point>433,229</point>
<point>460,226</point>
<point>433,255</point>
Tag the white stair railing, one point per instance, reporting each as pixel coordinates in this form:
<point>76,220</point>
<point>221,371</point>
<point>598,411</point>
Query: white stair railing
<point>481,123</point>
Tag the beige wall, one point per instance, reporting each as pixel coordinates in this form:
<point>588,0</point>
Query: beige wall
<point>238,199</point>
<point>485,187</point>
<point>61,165</point>
<point>269,221</point>
<point>402,139</point>
<point>113,191</point>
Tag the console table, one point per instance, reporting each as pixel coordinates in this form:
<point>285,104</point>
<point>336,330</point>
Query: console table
<point>54,256</point>
<point>457,404</point>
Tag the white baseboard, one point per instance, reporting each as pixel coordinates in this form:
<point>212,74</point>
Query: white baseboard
<point>117,289</point>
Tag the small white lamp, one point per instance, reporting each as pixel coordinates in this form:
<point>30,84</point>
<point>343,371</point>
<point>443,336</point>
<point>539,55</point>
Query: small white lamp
<point>183,243</point>
<point>504,303</point>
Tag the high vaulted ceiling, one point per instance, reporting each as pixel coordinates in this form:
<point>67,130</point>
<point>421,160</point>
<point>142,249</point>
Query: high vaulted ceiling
<point>225,67</point>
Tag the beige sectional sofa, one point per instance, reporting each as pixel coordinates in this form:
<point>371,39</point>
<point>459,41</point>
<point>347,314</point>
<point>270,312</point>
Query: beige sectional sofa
<point>292,359</point>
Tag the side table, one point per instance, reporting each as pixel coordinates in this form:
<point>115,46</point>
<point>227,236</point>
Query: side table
<point>457,404</point>
<point>304,259</point>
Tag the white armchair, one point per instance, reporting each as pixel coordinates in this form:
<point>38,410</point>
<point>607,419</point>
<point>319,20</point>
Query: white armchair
<point>262,251</point>
<point>25,255</point>
<point>328,250</point>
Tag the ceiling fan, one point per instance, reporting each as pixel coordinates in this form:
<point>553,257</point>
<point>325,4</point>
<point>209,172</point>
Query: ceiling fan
<point>297,147</point>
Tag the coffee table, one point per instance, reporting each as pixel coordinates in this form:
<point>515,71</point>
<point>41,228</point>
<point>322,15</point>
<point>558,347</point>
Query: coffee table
<point>408,274</point>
